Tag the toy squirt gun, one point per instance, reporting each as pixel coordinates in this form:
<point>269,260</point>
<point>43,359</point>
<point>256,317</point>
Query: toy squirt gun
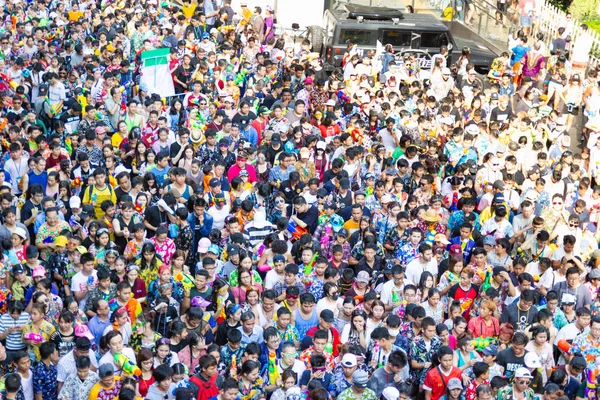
<point>130,369</point>
<point>308,269</point>
<point>274,375</point>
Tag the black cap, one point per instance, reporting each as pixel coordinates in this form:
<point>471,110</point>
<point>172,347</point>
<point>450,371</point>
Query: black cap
<point>345,183</point>
<point>214,182</point>
<point>327,315</point>
<point>276,138</point>
<point>224,142</point>
<point>233,249</point>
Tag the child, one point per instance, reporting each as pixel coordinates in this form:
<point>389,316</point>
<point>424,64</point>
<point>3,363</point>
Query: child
<point>208,380</point>
<point>57,266</point>
<point>317,372</point>
<point>233,348</point>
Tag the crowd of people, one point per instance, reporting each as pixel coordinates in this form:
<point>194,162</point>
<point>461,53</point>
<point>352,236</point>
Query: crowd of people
<point>280,231</point>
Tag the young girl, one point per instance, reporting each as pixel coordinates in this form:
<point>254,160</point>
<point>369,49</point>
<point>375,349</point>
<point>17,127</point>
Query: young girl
<point>101,245</point>
<point>72,305</point>
<point>163,353</point>
<point>465,356</point>
<point>425,284</point>
<point>190,354</point>
<point>188,157</point>
<point>39,326</point>
<point>145,361</point>
<point>133,248</point>
<point>150,162</point>
<point>64,337</point>
<point>180,271</point>
<point>120,322</point>
<point>119,272</point>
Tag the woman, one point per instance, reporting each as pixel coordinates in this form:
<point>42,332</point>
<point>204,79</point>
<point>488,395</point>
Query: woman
<point>572,96</point>
<point>288,379</point>
<point>149,263</point>
<point>177,115</point>
<point>345,316</point>
<point>356,331</point>
<point>433,306</point>
<point>540,345</point>
<point>245,265</point>
<point>164,279</point>
<point>186,159</point>
<point>138,157</point>
<point>359,288</point>
<point>280,209</point>
<point>190,354</point>
<point>465,356</point>
<point>221,297</point>
<point>138,286</point>
<point>120,322</point>
<point>330,300</point>
<point>251,385</point>
<point>320,159</point>
<point>454,389</point>
<point>485,325</point>
<point>534,64</point>
<point>64,337</point>
<point>38,326</point>
<point>9,229</point>
<point>145,361</point>
<point>123,224</point>
<point>425,285</point>
<point>263,167</point>
<point>234,314</point>
<point>101,245</point>
<point>244,284</point>
<point>50,229</point>
<point>52,185</point>
<point>163,354</point>
<point>376,316</point>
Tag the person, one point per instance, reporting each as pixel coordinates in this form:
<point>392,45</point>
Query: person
<point>45,385</point>
<point>108,385</point>
<point>390,372</point>
<point>78,386</point>
<point>520,387</point>
<point>437,379</point>
<point>359,389</point>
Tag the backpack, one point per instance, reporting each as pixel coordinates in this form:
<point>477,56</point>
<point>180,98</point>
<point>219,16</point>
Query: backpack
<point>206,390</point>
<point>91,189</point>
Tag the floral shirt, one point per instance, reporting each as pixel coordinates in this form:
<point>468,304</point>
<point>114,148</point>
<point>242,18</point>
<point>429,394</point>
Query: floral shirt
<point>46,232</point>
<point>419,353</point>
<point>227,354</point>
<point>133,249</point>
<point>457,218</point>
<point>408,253</point>
<point>584,345</point>
<point>348,394</point>
<point>506,393</point>
<point>254,392</point>
<point>46,329</point>
<point>393,238</point>
<point>44,381</point>
<point>164,250</point>
<point>307,354</point>
<point>100,393</point>
<point>184,241</point>
<point>74,389</point>
<point>177,294</point>
<point>472,389</point>
<point>149,274</point>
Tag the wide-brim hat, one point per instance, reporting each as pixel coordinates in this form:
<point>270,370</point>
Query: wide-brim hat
<point>431,216</point>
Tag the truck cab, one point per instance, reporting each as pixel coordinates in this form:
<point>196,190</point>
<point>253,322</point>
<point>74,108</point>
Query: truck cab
<point>422,34</point>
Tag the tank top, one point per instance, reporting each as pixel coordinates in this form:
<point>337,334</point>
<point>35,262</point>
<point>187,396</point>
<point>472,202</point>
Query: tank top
<point>41,179</point>
<point>303,325</point>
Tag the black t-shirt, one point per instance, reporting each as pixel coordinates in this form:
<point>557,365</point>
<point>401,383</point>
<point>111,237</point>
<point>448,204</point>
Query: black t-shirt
<point>291,192</point>
<point>497,115</point>
<point>510,362</point>
<point>244,119</point>
<point>26,213</point>
<point>155,218</point>
<point>310,218</point>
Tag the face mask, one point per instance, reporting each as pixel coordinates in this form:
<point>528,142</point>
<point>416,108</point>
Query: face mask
<point>394,332</point>
<point>334,296</point>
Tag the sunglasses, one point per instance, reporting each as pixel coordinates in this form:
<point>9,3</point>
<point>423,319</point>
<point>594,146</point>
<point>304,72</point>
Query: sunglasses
<point>557,203</point>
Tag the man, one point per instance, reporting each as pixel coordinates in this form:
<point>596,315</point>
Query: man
<point>104,289</point>
<point>281,172</point>
<point>67,364</point>
<point>423,349</point>
<point>97,325</point>
<point>359,389</point>
<point>343,379</point>
<point>573,286</point>
<point>17,166</point>
<point>520,388</point>
<point>78,386</point>
<point>436,380</point>
<point>304,215</point>
<point>326,319</point>
<point>521,315</point>
<point>124,299</point>
<point>251,332</point>
<point>513,358</point>
<point>318,347</point>
<point>580,327</point>
<point>426,262</point>
<point>99,192</point>
<point>45,384</point>
<point>124,183</point>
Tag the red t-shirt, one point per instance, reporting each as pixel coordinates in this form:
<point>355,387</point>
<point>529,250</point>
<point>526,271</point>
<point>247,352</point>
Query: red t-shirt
<point>436,381</point>
<point>465,298</point>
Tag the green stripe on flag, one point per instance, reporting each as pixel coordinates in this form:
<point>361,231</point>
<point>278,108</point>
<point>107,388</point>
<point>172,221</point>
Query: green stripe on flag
<point>151,58</point>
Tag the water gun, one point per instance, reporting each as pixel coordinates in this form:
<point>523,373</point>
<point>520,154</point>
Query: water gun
<point>454,204</point>
<point>48,239</point>
<point>69,147</point>
<point>240,77</point>
<point>3,123</point>
<point>90,280</point>
<point>233,368</point>
<point>395,296</point>
<point>77,181</point>
<point>486,280</point>
<point>34,337</point>
<point>8,80</point>
<point>139,208</point>
<point>129,368</point>
<point>329,348</point>
<point>126,86</point>
<point>82,100</point>
<point>273,370</point>
<point>376,349</point>
<point>309,267</point>
<point>481,343</point>
<point>185,280</point>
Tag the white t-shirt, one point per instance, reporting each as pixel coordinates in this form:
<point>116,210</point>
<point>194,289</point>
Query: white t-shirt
<point>109,358</point>
<point>80,282</point>
<point>27,385</point>
<point>272,278</point>
<point>415,268</point>
<point>219,216</point>
<point>387,289</point>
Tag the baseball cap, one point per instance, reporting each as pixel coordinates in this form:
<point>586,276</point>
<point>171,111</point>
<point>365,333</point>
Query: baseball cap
<point>532,360</point>
<point>360,378</point>
<point>489,240</point>
<point>219,198</point>
<point>363,276</point>
<point>567,298</point>
<point>519,373</point>
<point>498,185</point>
<point>343,232</point>
<point>214,182</point>
<point>491,350</point>
<point>74,202</point>
<point>498,197</point>
<point>106,370</point>
<point>455,249</point>
<point>390,393</point>
<point>233,249</point>
<point>38,271</point>
<point>61,241</point>
<point>440,237</point>
<point>83,331</point>
<point>264,110</point>
<point>276,138</point>
<point>278,258</point>
<point>214,249</point>
<point>454,383</point>
<point>595,273</point>
<point>199,301</point>
<point>494,96</point>
<point>327,315</point>
<point>446,71</point>
<point>337,222</point>
<point>203,245</point>
<point>17,269</point>
<point>349,360</point>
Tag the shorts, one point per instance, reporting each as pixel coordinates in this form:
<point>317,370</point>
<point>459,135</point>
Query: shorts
<point>525,21</point>
<point>502,7</point>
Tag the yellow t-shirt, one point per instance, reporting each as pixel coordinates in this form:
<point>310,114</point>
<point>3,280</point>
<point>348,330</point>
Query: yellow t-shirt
<point>75,15</point>
<point>351,226</point>
<point>189,10</point>
<point>93,194</point>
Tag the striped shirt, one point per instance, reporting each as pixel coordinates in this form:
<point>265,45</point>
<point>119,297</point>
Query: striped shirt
<point>13,340</point>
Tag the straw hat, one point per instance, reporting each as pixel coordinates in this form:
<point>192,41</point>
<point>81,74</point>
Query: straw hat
<point>197,136</point>
<point>431,215</point>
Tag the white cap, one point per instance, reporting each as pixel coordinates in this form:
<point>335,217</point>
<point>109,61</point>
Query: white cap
<point>22,233</point>
<point>330,102</point>
<point>228,99</point>
<point>532,360</point>
<point>75,202</point>
<point>349,360</point>
<point>203,245</point>
<point>121,168</point>
<point>391,393</point>
<point>445,71</point>
<point>321,145</point>
<point>568,298</point>
<point>523,373</point>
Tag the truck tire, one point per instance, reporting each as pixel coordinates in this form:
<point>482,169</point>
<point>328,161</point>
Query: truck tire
<point>316,37</point>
